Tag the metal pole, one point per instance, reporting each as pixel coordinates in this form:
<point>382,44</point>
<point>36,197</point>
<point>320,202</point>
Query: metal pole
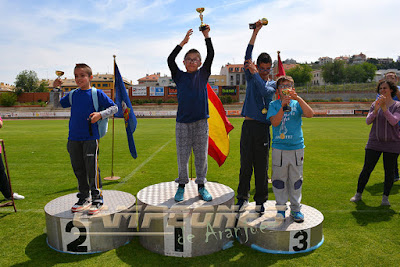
<point>112,177</point>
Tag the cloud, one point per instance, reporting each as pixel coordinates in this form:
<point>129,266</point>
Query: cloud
<point>57,34</point>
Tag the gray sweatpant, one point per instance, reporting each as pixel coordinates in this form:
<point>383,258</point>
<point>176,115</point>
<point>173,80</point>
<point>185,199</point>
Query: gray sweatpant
<point>287,177</point>
<point>84,161</point>
<point>192,135</point>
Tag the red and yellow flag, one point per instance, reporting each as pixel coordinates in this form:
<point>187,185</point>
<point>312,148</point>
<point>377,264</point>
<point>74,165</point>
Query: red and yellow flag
<point>219,128</point>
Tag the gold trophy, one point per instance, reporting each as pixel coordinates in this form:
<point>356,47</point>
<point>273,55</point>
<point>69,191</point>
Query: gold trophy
<point>286,92</point>
<point>59,73</point>
<point>264,22</point>
<point>202,25</point>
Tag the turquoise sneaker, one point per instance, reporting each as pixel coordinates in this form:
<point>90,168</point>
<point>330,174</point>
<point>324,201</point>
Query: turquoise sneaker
<point>179,194</point>
<point>280,214</point>
<point>297,216</point>
<point>203,193</point>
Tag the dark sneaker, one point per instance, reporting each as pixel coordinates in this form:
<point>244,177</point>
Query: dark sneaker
<point>179,194</point>
<point>261,205</point>
<point>241,202</point>
<point>82,204</point>
<point>95,208</point>
<point>203,193</point>
<point>297,216</point>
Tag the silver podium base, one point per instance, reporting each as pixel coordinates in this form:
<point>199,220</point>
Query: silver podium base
<point>189,228</point>
<point>272,235</point>
<point>80,233</point>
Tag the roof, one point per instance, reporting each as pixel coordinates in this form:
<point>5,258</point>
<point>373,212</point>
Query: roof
<point>150,78</point>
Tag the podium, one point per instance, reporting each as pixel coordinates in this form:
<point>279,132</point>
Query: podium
<point>189,228</point>
<point>267,234</point>
<point>80,233</point>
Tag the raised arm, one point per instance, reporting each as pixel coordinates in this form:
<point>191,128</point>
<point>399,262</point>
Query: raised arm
<point>210,50</point>
<point>171,58</point>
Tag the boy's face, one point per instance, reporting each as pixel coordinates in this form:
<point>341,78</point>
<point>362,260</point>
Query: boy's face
<point>264,69</point>
<point>192,62</point>
<point>284,88</point>
<point>82,79</point>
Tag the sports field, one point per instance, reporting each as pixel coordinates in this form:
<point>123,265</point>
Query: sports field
<point>363,234</point>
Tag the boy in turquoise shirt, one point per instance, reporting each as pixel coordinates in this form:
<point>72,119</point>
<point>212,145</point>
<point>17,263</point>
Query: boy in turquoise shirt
<point>288,147</point>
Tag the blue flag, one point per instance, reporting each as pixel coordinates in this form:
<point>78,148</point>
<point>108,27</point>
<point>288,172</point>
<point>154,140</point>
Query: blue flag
<point>125,110</point>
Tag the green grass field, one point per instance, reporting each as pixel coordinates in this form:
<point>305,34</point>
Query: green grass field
<point>363,234</point>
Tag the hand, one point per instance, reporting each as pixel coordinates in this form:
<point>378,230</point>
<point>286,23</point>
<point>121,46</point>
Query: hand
<point>57,82</point>
<point>380,103</point>
<point>285,100</point>
<point>293,94</point>
<point>206,31</point>
<point>249,65</point>
<point>95,117</point>
<point>258,26</point>
<point>187,37</point>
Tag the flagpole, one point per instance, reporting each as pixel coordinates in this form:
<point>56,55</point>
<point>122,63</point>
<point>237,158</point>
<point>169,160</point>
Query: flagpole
<point>191,165</point>
<point>112,177</point>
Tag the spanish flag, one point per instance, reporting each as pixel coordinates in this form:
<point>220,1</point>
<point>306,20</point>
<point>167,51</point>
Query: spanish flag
<point>219,128</point>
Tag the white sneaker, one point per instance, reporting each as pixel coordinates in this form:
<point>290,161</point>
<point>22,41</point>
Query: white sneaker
<point>356,198</point>
<point>18,197</point>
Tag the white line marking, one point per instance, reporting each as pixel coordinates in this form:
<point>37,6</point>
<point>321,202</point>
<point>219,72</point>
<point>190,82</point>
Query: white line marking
<point>129,176</point>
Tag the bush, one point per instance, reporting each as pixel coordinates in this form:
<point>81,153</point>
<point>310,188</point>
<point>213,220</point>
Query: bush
<point>226,99</point>
<point>361,100</point>
<point>8,99</point>
<point>336,99</point>
<point>319,100</point>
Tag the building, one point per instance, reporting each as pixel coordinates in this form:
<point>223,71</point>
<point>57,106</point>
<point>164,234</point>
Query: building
<point>342,58</point>
<point>149,80</point>
<point>234,74</point>
<point>317,78</point>
<point>165,81</point>
<point>359,59</point>
<point>385,61</point>
<point>104,82</point>
<point>324,60</point>
<point>218,80</point>
<point>4,87</point>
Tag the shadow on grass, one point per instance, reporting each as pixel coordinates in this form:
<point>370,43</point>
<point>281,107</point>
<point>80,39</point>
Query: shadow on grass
<point>377,189</point>
<point>367,214</point>
<point>133,254</point>
<point>41,254</point>
<point>4,214</point>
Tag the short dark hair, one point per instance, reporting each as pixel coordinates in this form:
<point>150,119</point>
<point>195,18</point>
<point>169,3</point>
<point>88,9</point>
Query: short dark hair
<point>193,51</point>
<point>392,86</point>
<point>284,78</point>
<point>85,67</point>
<point>264,58</point>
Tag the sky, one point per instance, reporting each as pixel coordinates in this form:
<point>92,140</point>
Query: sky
<point>49,35</point>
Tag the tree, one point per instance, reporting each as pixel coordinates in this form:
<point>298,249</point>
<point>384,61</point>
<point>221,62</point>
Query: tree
<point>27,81</point>
<point>301,74</point>
<point>360,73</point>
<point>333,72</point>
<point>43,87</point>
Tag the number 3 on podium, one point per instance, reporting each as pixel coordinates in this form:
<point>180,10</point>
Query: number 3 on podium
<point>300,240</point>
